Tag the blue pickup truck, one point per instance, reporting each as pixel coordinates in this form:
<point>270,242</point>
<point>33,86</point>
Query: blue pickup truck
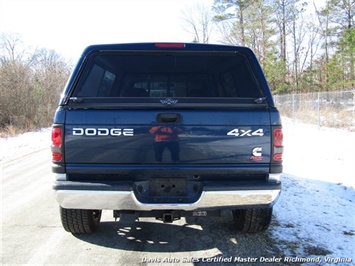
<point>166,130</point>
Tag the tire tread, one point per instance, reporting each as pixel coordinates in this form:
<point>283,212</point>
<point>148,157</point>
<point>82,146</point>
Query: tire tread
<point>252,220</point>
<point>79,221</point>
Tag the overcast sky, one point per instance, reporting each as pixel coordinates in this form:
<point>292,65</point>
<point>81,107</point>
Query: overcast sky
<point>68,26</point>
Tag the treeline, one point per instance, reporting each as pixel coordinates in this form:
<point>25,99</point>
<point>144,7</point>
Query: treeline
<point>31,81</point>
<point>302,47</point>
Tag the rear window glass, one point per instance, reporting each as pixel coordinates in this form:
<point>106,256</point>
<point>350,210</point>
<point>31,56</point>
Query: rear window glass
<point>161,75</point>
<point>168,85</point>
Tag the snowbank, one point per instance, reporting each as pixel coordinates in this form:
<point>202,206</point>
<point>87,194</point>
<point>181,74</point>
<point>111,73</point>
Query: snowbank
<point>24,144</point>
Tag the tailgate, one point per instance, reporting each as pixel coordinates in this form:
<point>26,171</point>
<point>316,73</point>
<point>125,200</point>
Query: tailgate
<point>179,137</point>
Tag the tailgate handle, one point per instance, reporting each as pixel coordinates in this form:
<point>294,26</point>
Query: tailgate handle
<point>168,118</point>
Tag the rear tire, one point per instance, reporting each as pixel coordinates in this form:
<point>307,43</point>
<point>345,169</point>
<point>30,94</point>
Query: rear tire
<point>252,220</point>
<point>79,221</point>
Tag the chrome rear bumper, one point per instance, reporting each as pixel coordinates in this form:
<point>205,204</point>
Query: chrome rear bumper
<point>123,200</point>
<point>127,200</point>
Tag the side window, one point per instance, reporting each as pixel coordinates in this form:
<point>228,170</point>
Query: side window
<point>106,84</point>
<point>238,82</point>
<point>98,83</point>
<point>135,86</point>
<point>229,83</point>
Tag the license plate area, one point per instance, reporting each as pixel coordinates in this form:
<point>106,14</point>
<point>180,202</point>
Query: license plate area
<point>168,190</point>
<point>161,187</point>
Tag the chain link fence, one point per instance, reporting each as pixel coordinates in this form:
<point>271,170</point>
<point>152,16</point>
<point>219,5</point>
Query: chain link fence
<point>328,109</point>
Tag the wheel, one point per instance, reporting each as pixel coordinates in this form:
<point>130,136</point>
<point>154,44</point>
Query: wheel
<point>78,221</point>
<point>252,220</point>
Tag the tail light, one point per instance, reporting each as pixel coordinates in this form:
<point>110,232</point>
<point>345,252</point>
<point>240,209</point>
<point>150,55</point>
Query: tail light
<point>57,142</point>
<point>278,145</point>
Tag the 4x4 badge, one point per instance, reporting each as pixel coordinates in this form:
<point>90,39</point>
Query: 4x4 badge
<point>168,101</point>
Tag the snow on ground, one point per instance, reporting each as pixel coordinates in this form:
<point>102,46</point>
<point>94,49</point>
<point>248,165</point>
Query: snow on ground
<point>324,154</point>
<point>315,215</point>
<point>16,147</point>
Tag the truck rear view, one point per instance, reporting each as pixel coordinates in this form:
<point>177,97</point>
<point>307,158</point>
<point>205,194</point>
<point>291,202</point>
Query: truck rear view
<point>166,130</point>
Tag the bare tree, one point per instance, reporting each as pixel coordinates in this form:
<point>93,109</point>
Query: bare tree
<point>198,20</point>
<point>232,13</point>
<point>282,16</point>
<point>9,45</point>
<point>30,84</point>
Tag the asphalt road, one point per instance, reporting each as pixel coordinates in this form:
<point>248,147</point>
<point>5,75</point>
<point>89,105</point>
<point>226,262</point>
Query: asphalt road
<point>32,231</point>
